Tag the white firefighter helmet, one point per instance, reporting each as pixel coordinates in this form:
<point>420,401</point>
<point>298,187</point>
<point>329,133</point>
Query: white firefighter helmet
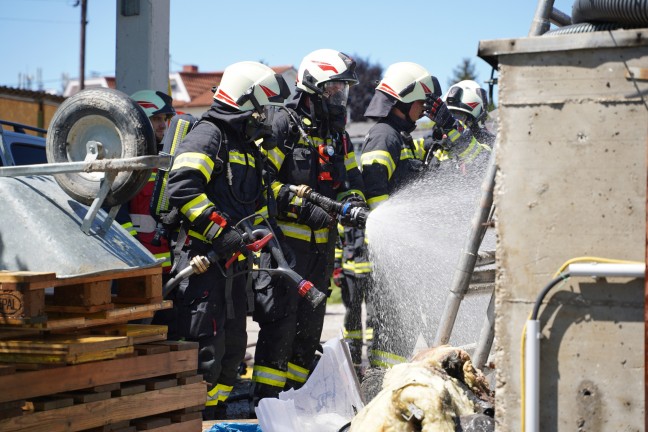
<point>154,102</point>
<point>468,97</point>
<point>325,65</point>
<point>249,85</point>
<point>406,82</point>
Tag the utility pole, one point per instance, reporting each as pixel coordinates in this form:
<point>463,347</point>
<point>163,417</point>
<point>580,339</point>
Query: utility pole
<point>84,12</point>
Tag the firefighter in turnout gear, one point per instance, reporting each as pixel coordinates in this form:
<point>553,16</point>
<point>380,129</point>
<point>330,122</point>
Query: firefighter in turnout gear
<point>391,158</point>
<point>353,275</point>
<point>137,219</point>
<point>215,181</point>
<point>467,102</point>
<point>313,149</point>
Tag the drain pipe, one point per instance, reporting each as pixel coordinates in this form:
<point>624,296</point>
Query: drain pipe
<point>533,335</point>
<point>466,265</point>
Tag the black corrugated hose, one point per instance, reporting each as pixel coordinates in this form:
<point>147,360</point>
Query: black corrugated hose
<point>600,15</point>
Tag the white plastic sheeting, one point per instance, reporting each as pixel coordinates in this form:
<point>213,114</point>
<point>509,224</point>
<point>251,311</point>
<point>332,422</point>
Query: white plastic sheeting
<point>329,399</point>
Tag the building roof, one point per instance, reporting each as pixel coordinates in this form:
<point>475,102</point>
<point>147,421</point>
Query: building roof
<point>30,94</point>
<point>199,85</point>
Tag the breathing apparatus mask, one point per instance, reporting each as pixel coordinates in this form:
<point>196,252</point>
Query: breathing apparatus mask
<point>335,95</point>
<point>258,127</point>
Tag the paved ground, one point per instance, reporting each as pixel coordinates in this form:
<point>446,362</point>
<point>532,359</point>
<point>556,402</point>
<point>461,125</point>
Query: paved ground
<point>333,322</point>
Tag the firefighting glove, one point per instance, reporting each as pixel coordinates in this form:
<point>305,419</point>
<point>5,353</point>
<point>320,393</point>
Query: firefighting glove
<point>314,217</point>
<point>438,112</point>
<point>228,242</point>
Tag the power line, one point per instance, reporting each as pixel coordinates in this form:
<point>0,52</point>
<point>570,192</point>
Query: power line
<point>37,20</point>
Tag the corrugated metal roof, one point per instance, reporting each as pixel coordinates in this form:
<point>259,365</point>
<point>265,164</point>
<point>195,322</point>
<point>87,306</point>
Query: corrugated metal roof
<point>40,231</point>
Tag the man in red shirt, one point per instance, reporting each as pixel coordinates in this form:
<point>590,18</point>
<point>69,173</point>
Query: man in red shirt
<point>159,109</point>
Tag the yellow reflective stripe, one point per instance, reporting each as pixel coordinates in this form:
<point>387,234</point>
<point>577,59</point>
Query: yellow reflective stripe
<point>441,154</point>
<point>380,157</point>
<point>276,157</point>
<point>302,232</point>
<point>263,211</point>
<point>153,176</point>
<point>219,393</point>
<point>351,334</point>
<point>276,186</point>
<point>297,373</point>
<point>375,201</point>
<point>166,256</point>
<point>419,148</point>
<point>454,135</point>
<point>345,194</point>
<point>406,153</point>
<point>473,150</point>
<point>385,359</point>
<point>350,161</point>
<point>197,235</point>
<point>358,268</point>
<point>369,333</point>
<point>240,158</point>
<point>269,376</point>
<point>338,253</point>
<point>196,207</point>
<point>197,161</point>
<point>128,226</point>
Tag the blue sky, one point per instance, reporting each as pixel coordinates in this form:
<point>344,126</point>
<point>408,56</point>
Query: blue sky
<point>42,37</point>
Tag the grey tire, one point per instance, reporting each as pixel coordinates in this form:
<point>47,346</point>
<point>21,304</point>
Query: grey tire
<point>111,118</point>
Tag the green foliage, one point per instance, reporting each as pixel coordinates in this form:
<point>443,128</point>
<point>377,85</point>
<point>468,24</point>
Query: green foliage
<point>465,71</point>
<point>336,294</point>
<point>360,95</point>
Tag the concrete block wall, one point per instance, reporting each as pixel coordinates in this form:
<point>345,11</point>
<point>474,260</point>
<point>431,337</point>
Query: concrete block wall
<point>571,182</point>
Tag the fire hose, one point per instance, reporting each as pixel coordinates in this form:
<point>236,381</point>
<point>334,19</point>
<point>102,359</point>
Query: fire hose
<point>255,240</point>
<point>357,215</point>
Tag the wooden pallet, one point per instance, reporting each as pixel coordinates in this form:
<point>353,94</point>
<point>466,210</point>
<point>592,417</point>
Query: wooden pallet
<point>44,301</point>
<point>158,389</point>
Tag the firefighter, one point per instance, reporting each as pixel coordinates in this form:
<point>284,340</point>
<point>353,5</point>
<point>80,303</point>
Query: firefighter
<point>391,158</point>
<point>138,220</point>
<point>315,150</point>
<point>353,275</point>
<point>468,103</point>
<point>215,181</point>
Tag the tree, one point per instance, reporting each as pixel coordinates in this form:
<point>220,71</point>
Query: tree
<point>360,95</point>
<point>465,71</point>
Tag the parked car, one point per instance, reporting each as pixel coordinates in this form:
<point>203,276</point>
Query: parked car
<point>17,147</point>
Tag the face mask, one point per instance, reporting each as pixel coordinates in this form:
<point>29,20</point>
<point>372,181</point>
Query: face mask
<point>337,118</point>
<point>259,126</point>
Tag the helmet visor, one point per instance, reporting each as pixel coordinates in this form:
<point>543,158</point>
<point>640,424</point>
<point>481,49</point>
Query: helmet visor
<point>336,92</point>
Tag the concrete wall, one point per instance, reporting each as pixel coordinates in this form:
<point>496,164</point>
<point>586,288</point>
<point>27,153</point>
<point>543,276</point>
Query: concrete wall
<point>28,111</point>
<point>571,182</point>
<point>142,53</point>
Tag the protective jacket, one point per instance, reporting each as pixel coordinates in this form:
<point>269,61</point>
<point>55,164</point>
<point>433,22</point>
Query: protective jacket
<point>287,344</point>
<point>215,169</point>
<point>326,164</point>
<point>469,153</point>
<point>389,158</point>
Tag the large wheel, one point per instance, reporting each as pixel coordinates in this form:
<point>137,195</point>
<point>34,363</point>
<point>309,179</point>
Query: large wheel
<point>111,118</point>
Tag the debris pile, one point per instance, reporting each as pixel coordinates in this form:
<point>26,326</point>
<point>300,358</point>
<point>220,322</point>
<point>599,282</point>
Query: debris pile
<point>439,390</point>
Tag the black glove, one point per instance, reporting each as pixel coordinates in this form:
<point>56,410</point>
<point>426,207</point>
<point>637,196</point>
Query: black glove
<point>229,241</point>
<point>314,217</point>
<point>438,112</point>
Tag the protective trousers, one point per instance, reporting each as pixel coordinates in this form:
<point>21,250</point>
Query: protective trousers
<point>201,307</point>
<point>288,340</point>
<point>356,290</point>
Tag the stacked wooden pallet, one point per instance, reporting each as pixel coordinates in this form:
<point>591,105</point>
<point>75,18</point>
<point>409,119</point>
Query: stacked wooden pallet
<point>70,361</point>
